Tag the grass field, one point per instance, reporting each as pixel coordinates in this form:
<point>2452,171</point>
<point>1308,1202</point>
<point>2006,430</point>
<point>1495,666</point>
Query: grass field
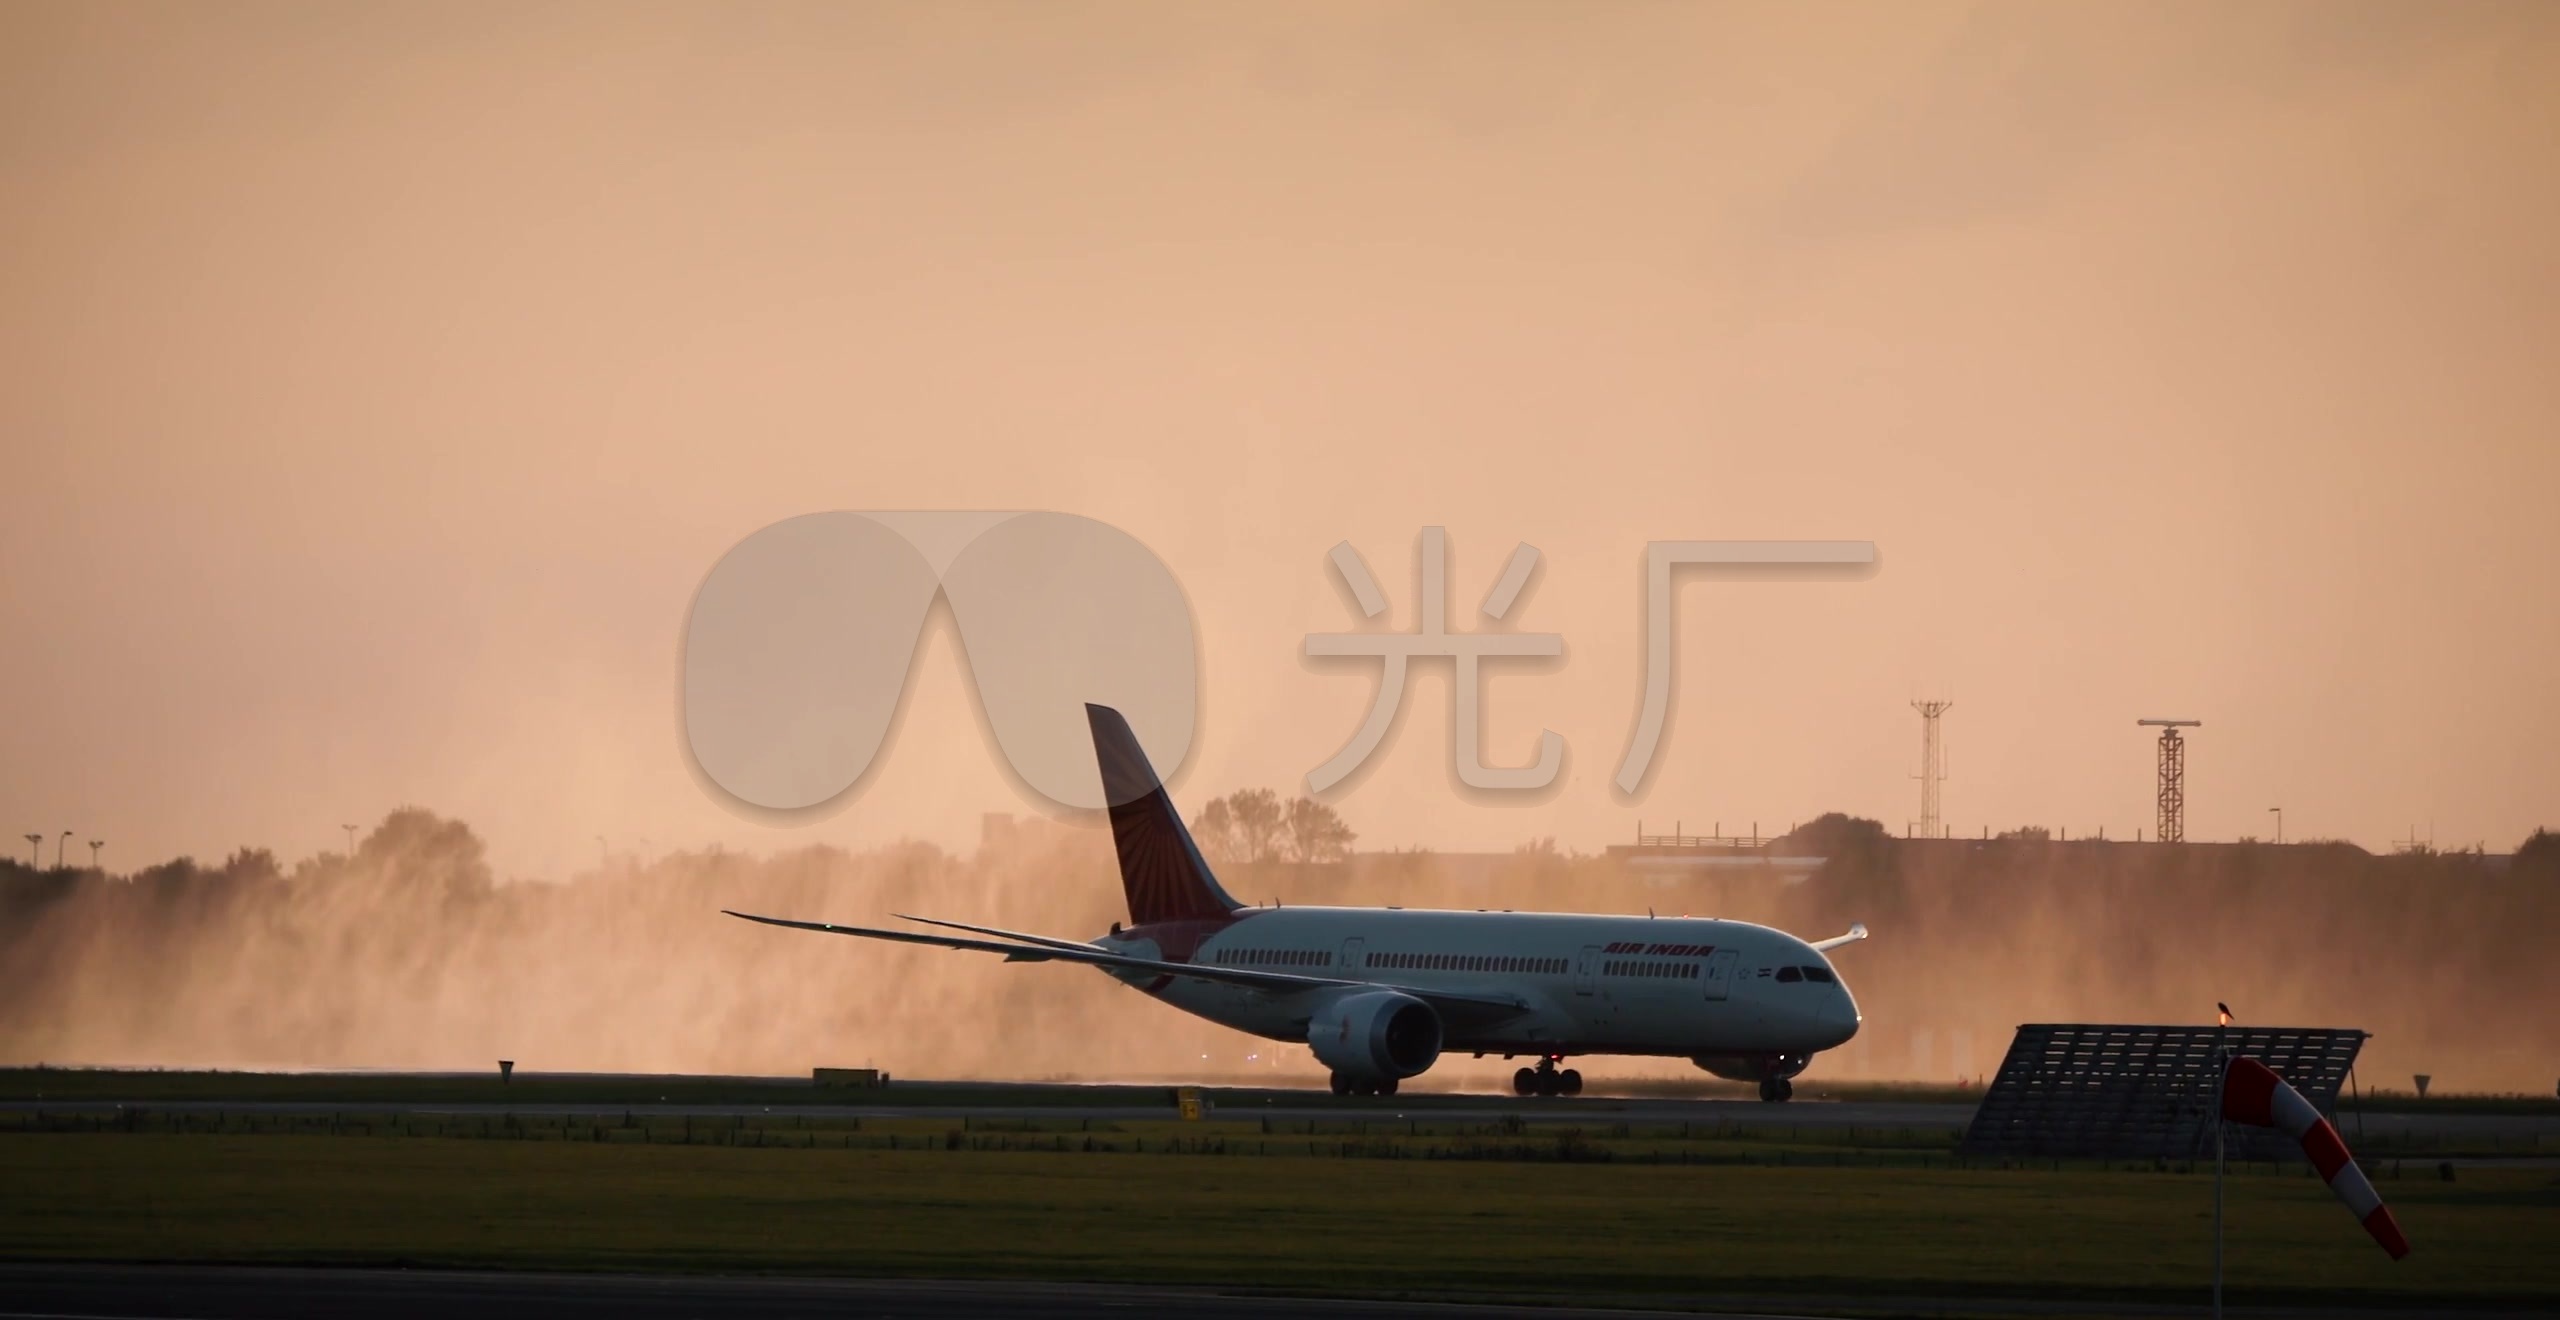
<point>1352,1206</point>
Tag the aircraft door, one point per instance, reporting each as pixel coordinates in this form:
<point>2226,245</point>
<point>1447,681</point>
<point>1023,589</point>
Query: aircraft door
<point>1719,973</point>
<point>1583,967</point>
<point>1352,951</point>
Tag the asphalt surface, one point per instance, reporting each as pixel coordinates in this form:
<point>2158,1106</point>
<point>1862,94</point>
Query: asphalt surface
<point>1577,1110</point>
<point>193,1292</point>
<point>210,1293</point>
<point>1581,1109</point>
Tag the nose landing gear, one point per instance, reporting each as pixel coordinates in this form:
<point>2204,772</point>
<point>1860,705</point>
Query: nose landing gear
<point>1546,1079</point>
<point>1777,1089</point>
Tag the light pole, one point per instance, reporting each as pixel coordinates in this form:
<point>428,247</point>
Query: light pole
<point>2222,1074</point>
<point>2279,823</point>
<point>94,846</point>
<point>351,839</point>
<point>35,851</point>
<point>61,862</point>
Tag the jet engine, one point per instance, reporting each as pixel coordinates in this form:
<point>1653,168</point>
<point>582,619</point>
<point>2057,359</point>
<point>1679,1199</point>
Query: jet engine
<point>1377,1034</point>
<point>1754,1067</point>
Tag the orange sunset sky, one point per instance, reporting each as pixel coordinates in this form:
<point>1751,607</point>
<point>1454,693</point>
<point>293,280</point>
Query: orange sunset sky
<point>377,383</point>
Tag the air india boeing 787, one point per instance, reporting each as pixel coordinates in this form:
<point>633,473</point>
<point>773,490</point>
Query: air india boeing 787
<point>1380,994</point>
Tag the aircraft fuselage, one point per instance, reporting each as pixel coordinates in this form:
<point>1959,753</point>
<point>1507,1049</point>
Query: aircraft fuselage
<point>1678,986</point>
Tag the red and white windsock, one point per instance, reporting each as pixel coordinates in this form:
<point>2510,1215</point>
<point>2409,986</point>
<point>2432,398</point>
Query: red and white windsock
<point>2253,1094</point>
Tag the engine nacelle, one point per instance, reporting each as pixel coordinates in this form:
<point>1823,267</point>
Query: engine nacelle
<point>1376,1034</point>
<point>1754,1067</point>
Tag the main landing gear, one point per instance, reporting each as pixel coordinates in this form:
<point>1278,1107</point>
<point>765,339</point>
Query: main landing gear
<point>1546,1080</point>
<point>1346,1084</point>
<point>1777,1089</point>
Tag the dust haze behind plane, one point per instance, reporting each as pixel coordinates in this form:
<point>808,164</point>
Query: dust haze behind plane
<point>411,954</point>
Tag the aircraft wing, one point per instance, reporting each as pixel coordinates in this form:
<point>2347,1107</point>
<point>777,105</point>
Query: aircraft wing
<point>1041,948</point>
<point>1857,932</point>
<point>1044,941</point>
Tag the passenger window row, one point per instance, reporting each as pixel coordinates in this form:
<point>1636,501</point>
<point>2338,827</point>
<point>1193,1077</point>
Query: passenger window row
<point>1271,957</point>
<point>1638,967</point>
<point>1466,962</point>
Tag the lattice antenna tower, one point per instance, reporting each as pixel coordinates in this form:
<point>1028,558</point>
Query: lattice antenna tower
<point>2173,777</point>
<point>1933,767</point>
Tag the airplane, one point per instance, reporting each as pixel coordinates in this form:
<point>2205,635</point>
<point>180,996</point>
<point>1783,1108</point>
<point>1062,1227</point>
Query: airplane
<point>1379,994</point>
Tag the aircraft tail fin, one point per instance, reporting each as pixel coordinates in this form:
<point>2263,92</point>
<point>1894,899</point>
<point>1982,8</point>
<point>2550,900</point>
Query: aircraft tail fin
<point>1162,872</point>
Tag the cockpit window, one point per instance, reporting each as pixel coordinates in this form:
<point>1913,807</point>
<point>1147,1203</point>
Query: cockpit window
<point>1822,974</point>
<point>1790,974</point>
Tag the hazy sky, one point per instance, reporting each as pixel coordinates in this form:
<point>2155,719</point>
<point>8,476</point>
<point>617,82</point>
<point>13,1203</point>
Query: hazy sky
<point>378,381</point>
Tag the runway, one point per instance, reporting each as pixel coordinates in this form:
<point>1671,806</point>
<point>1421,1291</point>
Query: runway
<point>1439,1108</point>
<point>190,1292</point>
<point>60,1292</point>
<point>1582,1110</point>
<point>211,1293</point>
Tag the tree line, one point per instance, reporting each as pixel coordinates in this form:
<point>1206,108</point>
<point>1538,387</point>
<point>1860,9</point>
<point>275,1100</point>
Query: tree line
<point>1254,825</point>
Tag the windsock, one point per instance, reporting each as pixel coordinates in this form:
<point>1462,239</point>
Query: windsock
<point>2253,1094</point>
